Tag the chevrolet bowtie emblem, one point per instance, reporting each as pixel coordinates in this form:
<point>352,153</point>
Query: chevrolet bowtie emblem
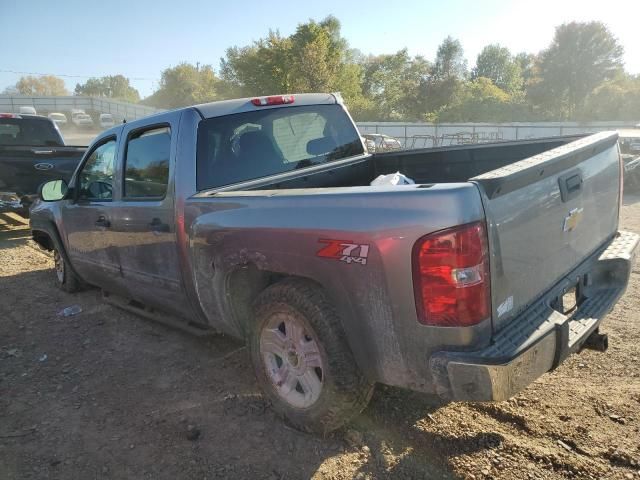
<point>571,221</point>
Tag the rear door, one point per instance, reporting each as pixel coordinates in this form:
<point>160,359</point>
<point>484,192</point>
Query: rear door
<point>545,215</point>
<point>144,218</point>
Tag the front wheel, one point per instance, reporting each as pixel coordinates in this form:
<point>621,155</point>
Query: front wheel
<point>66,278</point>
<point>302,360</point>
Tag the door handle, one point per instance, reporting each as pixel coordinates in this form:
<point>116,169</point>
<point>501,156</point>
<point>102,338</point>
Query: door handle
<point>570,185</point>
<point>157,225</point>
<point>103,222</point>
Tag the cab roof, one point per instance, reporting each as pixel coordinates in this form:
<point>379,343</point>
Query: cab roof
<point>241,105</point>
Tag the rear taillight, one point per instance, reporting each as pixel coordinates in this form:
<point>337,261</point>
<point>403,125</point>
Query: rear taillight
<point>451,276</point>
<point>273,100</point>
<point>9,115</point>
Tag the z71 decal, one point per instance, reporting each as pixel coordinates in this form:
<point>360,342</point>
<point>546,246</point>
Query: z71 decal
<point>344,250</point>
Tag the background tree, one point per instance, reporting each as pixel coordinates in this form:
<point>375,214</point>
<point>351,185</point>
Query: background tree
<point>185,84</point>
<point>112,86</point>
<point>395,85</point>
<point>450,61</point>
<point>526,62</point>
<point>44,85</point>
<point>497,64</point>
<point>617,99</point>
<point>581,57</point>
<point>313,59</point>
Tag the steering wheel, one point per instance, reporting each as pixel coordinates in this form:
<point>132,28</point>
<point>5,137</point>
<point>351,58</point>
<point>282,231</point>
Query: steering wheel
<point>101,190</point>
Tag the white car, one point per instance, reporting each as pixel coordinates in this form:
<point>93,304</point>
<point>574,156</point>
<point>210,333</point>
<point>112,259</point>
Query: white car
<point>24,110</point>
<point>82,120</point>
<point>106,120</point>
<point>60,119</point>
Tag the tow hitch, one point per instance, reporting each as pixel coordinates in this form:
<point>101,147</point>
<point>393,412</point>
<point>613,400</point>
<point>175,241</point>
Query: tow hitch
<point>597,341</point>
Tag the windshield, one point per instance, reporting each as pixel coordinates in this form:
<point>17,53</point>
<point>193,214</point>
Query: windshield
<point>29,131</point>
<point>247,146</point>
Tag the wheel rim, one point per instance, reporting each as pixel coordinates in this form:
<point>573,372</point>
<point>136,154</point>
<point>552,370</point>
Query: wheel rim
<point>59,266</point>
<point>292,360</point>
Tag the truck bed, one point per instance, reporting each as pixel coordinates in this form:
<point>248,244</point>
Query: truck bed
<point>424,166</point>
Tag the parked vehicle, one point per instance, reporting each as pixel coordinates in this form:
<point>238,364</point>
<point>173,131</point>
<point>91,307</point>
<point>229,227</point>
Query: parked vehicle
<point>82,120</point>
<point>106,120</point>
<point>24,110</point>
<point>256,217</point>
<point>32,152</point>
<point>382,143</point>
<point>60,119</point>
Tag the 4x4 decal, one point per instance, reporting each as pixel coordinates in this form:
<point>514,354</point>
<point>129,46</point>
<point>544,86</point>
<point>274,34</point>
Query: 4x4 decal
<point>344,250</point>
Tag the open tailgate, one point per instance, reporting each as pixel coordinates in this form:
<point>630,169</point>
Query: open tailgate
<point>545,215</point>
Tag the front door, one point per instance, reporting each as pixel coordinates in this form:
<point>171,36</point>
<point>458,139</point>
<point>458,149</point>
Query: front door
<point>144,225</point>
<point>87,218</point>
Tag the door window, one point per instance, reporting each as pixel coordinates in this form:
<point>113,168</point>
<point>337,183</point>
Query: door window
<point>96,177</point>
<point>147,163</point>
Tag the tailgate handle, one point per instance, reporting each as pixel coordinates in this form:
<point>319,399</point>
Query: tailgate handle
<point>570,185</point>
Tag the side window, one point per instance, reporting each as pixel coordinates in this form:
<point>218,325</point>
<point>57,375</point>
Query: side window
<point>147,163</point>
<point>96,178</point>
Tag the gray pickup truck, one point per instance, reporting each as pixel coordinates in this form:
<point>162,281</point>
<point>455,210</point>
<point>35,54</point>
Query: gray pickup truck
<point>256,218</point>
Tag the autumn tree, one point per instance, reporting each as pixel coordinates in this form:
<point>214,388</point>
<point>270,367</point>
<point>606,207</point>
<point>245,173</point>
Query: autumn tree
<point>183,85</point>
<point>43,85</point>
<point>111,86</point>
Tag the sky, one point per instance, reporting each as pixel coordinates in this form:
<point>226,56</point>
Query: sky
<point>139,38</point>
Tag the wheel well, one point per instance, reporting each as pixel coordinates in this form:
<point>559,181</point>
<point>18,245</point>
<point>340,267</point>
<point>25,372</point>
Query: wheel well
<point>43,239</point>
<point>244,285</point>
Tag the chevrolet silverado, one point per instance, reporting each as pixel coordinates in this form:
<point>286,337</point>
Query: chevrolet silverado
<point>256,218</point>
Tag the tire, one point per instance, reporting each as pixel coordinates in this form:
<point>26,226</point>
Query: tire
<point>66,278</point>
<point>301,358</point>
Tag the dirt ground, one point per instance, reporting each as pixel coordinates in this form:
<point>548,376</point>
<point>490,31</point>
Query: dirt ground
<point>106,395</point>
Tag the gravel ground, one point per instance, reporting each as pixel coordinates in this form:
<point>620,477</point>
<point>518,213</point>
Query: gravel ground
<point>106,394</point>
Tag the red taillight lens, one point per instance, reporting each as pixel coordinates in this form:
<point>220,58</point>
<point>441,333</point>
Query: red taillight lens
<point>9,115</point>
<point>451,276</point>
<point>273,100</point>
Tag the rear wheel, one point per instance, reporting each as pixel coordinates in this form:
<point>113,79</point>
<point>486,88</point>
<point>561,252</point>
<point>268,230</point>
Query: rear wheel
<point>66,279</point>
<point>302,360</point>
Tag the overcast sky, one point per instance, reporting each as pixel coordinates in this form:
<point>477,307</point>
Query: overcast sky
<point>140,38</point>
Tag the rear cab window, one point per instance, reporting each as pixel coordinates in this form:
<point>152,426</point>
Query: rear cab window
<point>34,132</point>
<point>251,145</point>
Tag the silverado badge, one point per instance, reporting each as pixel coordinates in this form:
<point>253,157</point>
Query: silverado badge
<point>572,220</point>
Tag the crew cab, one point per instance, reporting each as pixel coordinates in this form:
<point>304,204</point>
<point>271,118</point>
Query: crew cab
<point>256,218</point>
<point>32,152</point>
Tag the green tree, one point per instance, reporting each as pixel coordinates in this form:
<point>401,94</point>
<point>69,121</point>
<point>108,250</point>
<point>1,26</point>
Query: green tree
<point>526,61</point>
<point>482,101</point>
<point>617,99</point>
<point>450,61</point>
<point>496,63</point>
<point>580,58</point>
<point>183,85</point>
<point>395,85</point>
<point>111,86</point>
<point>316,58</point>
<point>448,78</point>
<point>44,85</point>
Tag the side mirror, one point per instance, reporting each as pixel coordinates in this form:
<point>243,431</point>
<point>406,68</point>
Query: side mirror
<point>53,190</point>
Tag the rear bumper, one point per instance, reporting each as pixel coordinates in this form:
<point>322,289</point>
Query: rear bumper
<point>540,338</point>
